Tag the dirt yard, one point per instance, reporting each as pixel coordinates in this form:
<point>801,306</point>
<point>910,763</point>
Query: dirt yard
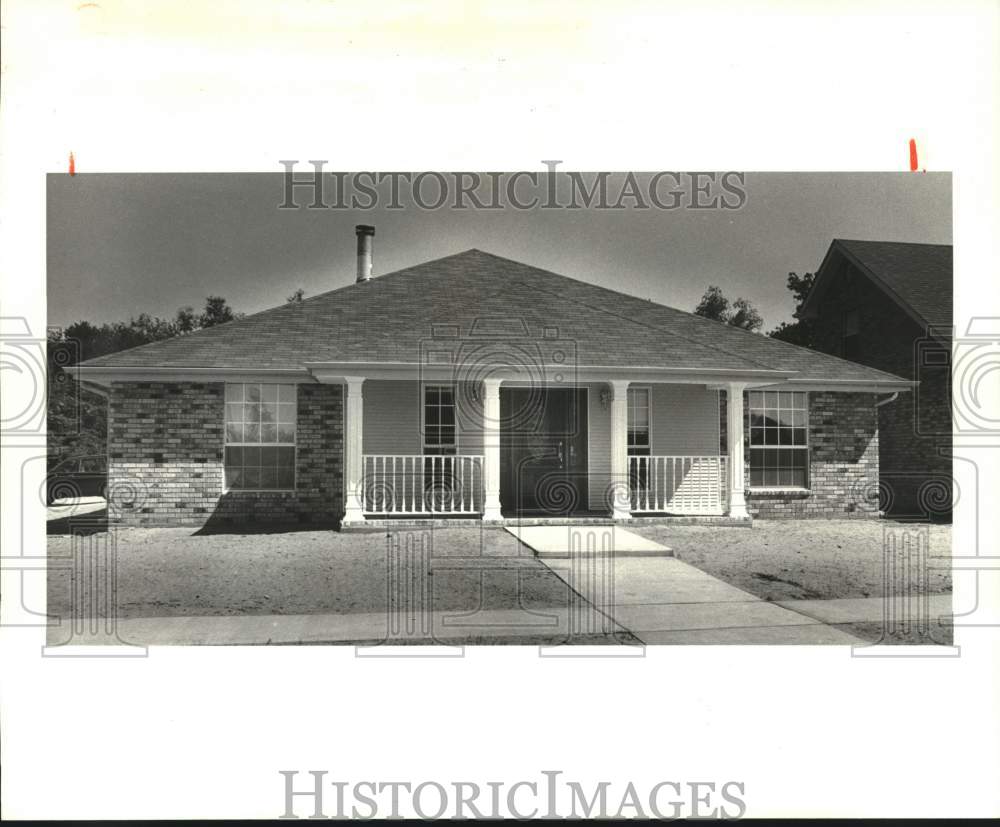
<point>177,572</point>
<point>801,559</point>
<point>174,571</point>
<point>808,560</point>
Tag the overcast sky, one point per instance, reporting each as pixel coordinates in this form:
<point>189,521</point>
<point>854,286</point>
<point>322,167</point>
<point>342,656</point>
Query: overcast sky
<point>120,245</point>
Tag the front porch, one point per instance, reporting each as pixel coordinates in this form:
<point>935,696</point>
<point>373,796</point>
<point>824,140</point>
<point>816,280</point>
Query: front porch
<point>510,453</point>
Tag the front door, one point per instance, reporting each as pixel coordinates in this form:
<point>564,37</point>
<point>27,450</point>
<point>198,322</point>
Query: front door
<point>543,451</point>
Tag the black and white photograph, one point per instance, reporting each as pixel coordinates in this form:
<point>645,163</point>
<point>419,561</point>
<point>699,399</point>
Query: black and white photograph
<point>384,389</point>
<point>471,448</point>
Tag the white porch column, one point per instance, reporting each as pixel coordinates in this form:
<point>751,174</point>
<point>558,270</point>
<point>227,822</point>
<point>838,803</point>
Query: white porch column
<point>734,447</point>
<point>491,449</point>
<point>621,497</point>
<point>354,408</point>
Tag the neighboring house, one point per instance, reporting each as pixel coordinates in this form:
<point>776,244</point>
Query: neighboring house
<point>481,387</point>
<point>889,305</point>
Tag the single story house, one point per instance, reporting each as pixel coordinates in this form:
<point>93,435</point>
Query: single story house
<point>888,305</point>
<point>479,387</point>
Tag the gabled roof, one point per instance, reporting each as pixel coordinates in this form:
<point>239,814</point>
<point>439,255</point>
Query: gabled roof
<point>391,318</point>
<point>918,277</point>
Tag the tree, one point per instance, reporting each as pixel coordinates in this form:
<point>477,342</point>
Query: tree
<point>801,331</point>
<point>745,315</point>
<point>216,312</point>
<point>296,297</point>
<point>77,418</point>
<point>185,321</point>
<point>714,305</point>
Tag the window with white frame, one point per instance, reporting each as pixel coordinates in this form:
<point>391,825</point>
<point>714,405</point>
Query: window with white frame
<point>260,436</point>
<point>439,419</point>
<point>638,422</point>
<point>779,439</point>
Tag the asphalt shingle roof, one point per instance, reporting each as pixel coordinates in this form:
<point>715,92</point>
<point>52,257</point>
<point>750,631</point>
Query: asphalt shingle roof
<point>917,276</point>
<point>391,317</point>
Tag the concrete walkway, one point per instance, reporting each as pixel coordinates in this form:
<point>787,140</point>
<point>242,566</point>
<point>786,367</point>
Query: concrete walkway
<point>551,627</point>
<point>866,609</point>
<point>662,600</point>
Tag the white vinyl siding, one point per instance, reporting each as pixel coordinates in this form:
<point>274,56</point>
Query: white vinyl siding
<point>685,421</point>
<point>391,422</point>
<point>392,419</point>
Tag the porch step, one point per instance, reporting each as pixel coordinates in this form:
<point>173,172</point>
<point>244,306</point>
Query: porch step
<point>691,519</point>
<point>557,521</point>
<point>377,523</point>
<point>572,540</point>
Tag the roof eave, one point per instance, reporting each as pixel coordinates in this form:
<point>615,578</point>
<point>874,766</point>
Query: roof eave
<point>549,373</point>
<point>106,374</point>
<point>848,385</point>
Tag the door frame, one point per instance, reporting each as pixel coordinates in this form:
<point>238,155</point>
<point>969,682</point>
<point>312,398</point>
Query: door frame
<point>576,389</point>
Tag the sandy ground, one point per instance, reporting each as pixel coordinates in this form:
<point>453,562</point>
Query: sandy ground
<point>809,559</point>
<point>178,572</point>
<point>172,572</point>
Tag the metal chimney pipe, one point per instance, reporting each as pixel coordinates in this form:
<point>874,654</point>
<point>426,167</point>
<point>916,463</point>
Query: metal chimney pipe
<point>366,235</point>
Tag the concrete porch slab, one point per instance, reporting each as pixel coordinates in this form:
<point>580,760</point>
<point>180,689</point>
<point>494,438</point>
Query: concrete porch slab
<point>571,540</point>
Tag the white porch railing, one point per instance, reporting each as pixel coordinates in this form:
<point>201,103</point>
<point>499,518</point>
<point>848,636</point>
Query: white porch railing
<point>678,484</point>
<point>427,484</point>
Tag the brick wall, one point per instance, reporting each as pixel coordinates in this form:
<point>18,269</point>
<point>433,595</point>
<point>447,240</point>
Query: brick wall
<point>165,458</point>
<point>915,430</point>
<point>843,460</point>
